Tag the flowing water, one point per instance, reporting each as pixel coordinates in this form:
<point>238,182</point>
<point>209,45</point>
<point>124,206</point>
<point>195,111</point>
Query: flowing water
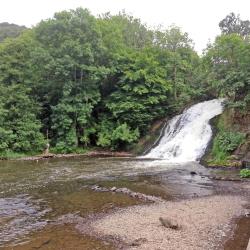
<point>186,136</point>
<point>34,195</point>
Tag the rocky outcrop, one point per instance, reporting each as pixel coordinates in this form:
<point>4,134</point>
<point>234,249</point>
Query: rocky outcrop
<point>236,121</point>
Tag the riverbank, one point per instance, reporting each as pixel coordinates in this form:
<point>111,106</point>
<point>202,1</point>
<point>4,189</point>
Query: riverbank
<point>95,153</point>
<point>203,223</point>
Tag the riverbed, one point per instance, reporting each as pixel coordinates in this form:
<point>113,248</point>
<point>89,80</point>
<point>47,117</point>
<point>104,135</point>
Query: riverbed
<point>41,202</point>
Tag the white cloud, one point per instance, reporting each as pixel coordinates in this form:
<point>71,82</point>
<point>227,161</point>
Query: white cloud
<point>199,18</point>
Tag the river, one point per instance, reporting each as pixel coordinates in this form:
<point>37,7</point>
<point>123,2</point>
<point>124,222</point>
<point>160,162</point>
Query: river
<point>34,195</point>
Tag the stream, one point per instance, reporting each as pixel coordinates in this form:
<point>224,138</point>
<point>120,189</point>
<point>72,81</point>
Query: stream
<point>35,194</point>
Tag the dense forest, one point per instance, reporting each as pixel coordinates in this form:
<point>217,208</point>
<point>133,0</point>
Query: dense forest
<point>8,30</point>
<point>79,81</point>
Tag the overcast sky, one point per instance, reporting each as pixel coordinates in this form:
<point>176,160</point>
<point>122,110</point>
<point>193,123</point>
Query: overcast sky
<point>199,18</point>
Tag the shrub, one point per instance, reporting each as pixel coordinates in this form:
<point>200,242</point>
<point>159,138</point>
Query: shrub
<point>225,143</point>
<point>245,173</point>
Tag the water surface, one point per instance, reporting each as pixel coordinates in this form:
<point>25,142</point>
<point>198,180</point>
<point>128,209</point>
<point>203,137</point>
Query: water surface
<point>33,195</point>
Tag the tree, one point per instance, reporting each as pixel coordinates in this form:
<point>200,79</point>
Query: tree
<point>87,81</point>
<point>180,58</point>
<point>233,24</point>
<point>73,43</point>
<point>8,30</point>
<point>19,127</point>
<point>228,66</point>
<point>141,92</point>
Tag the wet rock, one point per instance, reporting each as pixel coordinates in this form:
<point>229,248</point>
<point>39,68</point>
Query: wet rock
<point>95,188</point>
<point>127,192</point>
<point>169,223</point>
<point>123,190</point>
<point>103,189</point>
<point>245,164</point>
<point>193,173</point>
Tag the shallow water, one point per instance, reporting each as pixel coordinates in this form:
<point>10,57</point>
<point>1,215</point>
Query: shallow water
<point>35,194</point>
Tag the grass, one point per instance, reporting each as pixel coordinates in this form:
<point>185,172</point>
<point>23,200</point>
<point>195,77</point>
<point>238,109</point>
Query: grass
<point>10,155</point>
<point>7,155</point>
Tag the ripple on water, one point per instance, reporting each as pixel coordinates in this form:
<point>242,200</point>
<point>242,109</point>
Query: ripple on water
<point>19,216</point>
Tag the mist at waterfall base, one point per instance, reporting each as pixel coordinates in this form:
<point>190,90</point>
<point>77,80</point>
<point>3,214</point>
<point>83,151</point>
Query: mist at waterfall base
<point>187,135</point>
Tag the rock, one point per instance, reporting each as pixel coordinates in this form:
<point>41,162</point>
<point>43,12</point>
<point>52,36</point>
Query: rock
<point>245,164</point>
<point>113,189</point>
<point>193,173</point>
<point>95,187</point>
<point>169,223</point>
<point>234,157</point>
<point>103,189</point>
<point>126,191</point>
<point>123,190</point>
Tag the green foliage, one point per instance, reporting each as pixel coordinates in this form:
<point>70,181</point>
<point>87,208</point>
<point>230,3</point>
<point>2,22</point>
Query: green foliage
<point>19,127</point>
<point>115,135</point>
<point>8,30</point>
<point>225,143</point>
<point>85,81</point>
<point>141,92</point>
<point>245,173</point>
<point>233,24</point>
<point>227,62</point>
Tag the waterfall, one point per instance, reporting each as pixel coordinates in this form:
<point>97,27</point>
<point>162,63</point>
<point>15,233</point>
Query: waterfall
<point>187,135</point>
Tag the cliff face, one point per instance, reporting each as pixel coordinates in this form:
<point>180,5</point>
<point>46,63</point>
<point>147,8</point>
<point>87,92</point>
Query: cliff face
<point>243,121</point>
<point>231,142</point>
<point>150,139</point>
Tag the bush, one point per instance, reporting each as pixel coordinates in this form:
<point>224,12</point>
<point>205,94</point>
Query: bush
<point>116,136</point>
<point>225,143</point>
<point>245,173</point>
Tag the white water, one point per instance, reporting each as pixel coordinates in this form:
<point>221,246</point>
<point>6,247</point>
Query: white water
<point>187,135</point>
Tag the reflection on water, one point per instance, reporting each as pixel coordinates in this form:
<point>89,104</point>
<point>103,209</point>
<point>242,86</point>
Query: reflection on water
<point>31,193</point>
<point>61,238</point>
<point>18,216</point>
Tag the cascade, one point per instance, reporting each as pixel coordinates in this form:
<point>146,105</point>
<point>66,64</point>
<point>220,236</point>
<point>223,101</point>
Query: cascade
<point>187,135</point>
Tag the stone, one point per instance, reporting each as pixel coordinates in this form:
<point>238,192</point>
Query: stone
<point>113,189</point>
<point>193,173</point>
<point>245,164</point>
<point>169,223</point>
<point>95,187</point>
<point>123,190</point>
